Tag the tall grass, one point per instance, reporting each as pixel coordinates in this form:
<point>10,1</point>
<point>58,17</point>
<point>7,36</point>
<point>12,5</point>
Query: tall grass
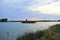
<point>47,34</point>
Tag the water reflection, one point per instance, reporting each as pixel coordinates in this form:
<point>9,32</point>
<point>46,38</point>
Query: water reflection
<point>9,31</point>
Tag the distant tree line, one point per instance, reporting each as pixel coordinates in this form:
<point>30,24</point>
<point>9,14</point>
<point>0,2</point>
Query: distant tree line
<point>3,20</point>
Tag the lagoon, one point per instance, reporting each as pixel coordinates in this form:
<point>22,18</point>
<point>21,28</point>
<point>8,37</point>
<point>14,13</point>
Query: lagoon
<point>10,30</point>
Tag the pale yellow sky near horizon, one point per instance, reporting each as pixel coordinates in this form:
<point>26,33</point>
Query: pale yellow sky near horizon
<point>50,7</point>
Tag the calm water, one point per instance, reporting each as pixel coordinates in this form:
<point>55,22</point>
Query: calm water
<point>10,30</point>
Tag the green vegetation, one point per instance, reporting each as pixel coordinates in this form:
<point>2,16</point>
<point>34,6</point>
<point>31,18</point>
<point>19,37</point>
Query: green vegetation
<point>53,33</point>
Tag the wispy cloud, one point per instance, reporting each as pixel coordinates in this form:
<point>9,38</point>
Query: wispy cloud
<point>30,9</point>
<point>47,7</point>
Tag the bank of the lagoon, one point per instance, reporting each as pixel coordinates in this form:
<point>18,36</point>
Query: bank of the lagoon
<point>52,33</point>
<point>10,30</point>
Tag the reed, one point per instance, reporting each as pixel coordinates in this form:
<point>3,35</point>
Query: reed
<point>48,34</point>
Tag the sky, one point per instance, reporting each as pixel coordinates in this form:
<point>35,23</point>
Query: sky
<point>25,9</point>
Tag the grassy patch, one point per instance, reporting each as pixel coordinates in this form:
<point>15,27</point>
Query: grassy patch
<point>48,34</point>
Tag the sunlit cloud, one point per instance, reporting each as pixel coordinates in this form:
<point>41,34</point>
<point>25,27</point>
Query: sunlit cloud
<point>49,7</point>
<point>30,9</point>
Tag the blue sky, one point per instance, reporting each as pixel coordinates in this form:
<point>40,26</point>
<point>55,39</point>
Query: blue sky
<point>21,9</point>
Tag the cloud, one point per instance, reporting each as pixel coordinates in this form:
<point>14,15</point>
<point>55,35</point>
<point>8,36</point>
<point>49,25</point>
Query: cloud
<point>47,7</point>
<point>27,8</point>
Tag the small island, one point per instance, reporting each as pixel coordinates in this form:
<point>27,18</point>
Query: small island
<point>3,20</point>
<point>28,21</point>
